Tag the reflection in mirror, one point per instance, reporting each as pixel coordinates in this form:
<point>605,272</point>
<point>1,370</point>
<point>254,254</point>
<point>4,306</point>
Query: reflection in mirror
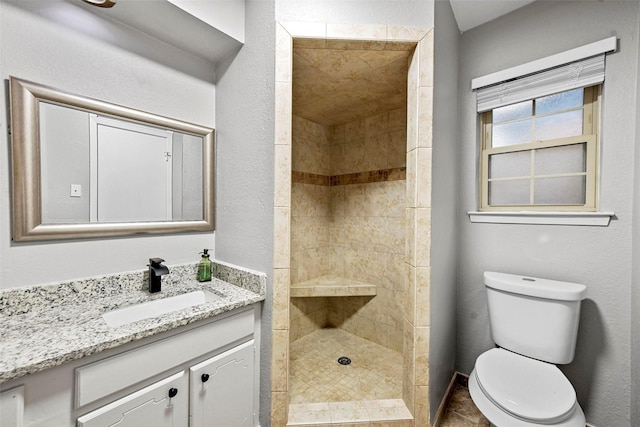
<point>86,168</point>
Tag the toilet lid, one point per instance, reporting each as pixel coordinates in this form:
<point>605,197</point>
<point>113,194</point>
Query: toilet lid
<point>526,388</point>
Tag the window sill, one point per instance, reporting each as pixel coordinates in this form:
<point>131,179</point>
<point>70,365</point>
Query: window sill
<point>597,219</point>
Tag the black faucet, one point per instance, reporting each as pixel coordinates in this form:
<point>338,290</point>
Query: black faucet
<point>156,270</point>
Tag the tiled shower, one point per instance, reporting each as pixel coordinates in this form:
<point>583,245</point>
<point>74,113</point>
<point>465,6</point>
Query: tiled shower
<point>347,222</point>
<point>352,220</point>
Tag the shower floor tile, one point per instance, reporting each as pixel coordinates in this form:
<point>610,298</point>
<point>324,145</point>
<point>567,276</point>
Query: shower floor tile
<point>315,375</point>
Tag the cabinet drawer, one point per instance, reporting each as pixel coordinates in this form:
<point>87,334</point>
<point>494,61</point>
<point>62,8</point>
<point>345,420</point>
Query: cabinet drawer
<point>116,373</point>
<point>163,404</point>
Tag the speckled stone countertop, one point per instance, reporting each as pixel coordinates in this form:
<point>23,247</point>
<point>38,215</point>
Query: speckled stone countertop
<point>46,326</point>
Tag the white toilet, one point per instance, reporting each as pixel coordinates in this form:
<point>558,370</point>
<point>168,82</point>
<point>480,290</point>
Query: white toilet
<point>535,323</point>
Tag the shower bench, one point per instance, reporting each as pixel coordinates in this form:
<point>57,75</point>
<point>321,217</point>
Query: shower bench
<point>332,286</point>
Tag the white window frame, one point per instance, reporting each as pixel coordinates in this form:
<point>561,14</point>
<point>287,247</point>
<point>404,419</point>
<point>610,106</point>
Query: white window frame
<point>590,131</point>
<point>589,218</point>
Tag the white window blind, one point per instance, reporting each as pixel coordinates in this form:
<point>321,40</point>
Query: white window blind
<point>580,67</point>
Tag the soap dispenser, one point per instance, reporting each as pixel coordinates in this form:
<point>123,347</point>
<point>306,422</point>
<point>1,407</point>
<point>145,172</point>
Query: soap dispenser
<point>204,267</point>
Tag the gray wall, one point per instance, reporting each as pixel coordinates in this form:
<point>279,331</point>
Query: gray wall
<point>418,13</point>
<point>596,256</point>
<point>64,151</point>
<point>39,43</point>
<point>635,279</point>
<point>442,348</point>
<point>245,101</point>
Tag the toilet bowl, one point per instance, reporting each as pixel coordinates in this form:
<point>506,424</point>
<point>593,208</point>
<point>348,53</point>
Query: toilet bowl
<point>534,323</point>
<point>515,391</point>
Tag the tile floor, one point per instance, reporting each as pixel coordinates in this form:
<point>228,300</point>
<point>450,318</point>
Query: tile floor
<point>315,375</point>
<point>460,410</point>
<point>368,392</point>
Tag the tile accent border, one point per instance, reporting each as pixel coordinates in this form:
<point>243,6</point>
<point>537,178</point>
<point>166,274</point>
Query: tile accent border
<point>38,298</point>
<point>310,178</point>
<point>383,175</point>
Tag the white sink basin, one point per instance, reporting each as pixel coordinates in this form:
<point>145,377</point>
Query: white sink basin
<point>146,310</point>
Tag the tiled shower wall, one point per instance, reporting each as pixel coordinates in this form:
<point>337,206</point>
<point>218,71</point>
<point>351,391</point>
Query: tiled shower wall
<point>348,219</point>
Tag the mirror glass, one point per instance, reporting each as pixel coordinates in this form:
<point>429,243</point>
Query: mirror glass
<point>84,168</point>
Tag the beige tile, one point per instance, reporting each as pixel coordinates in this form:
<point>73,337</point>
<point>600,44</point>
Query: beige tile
<point>422,356</point>
<point>348,412</point>
<point>375,371</point>
<point>408,354</point>
<point>421,411</point>
<point>423,296</point>
<point>281,283</point>
<point>281,231</point>
<point>388,410</point>
<point>397,149</point>
<point>354,424</point>
<point>309,407</point>
<point>411,236</point>
<point>410,293</point>
<point>413,77</point>
<point>279,409</point>
<point>425,117</point>
<point>423,237</point>
<point>279,360</point>
<point>396,423</point>
<point>283,116</point>
<point>310,418</point>
<point>282,178</point>
<point>408,393</point>
<point>405,33</point>
<point>425,47</point>
<point>284,48</point>
<point>423,177</point>
<point>412,184</point>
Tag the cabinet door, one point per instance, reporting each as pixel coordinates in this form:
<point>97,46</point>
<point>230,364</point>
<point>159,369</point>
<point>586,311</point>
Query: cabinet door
<point>222,389</point>
<point>151,406</point>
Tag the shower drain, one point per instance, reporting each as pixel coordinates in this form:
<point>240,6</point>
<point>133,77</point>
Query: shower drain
<point>344,360</point>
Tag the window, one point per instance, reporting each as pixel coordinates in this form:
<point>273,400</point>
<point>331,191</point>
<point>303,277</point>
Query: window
<point>541,153</point>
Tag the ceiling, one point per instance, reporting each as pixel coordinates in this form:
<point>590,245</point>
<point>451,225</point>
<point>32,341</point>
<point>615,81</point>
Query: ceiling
<point>472,13</point>
<point>335,84</point>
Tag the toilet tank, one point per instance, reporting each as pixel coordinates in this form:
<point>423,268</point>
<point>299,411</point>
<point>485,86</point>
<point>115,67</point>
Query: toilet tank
<point>535,317</point>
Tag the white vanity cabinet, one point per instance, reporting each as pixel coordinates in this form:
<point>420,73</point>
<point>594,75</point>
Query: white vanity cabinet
<point>222,389</point>
<point>154,382</point>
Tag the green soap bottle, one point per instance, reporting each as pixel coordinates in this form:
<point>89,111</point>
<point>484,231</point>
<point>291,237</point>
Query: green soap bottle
<point>204,267</point>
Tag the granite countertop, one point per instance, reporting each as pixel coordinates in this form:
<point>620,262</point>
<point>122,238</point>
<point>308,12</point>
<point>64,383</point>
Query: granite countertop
<point>46,326</point>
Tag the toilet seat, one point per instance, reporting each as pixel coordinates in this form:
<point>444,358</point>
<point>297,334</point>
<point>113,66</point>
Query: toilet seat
<point>527,389</point>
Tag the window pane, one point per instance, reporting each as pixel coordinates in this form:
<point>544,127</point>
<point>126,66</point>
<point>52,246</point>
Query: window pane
<point>565,159</point>
<point>509,165</point>
<point>566,190</point>
<point>511,133</point>
<point>512,192</point>
<point>560,101</point>
<point>513,112</point>
<point>560,125</point>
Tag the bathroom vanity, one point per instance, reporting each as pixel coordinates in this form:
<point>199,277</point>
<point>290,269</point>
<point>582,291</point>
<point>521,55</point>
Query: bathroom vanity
<point>65,366</point>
